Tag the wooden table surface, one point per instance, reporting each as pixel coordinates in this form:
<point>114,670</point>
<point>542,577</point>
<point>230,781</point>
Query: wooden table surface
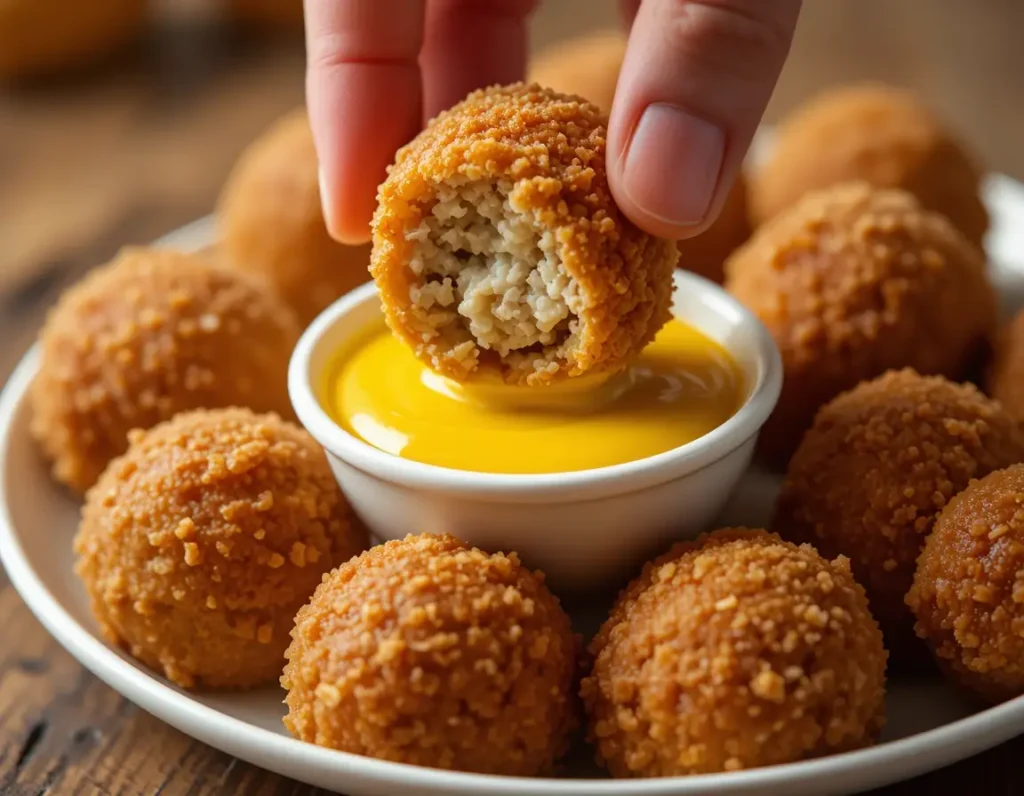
<point>124,153</point>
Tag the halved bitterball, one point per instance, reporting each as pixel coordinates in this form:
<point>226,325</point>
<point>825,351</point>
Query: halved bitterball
<point>497,244</point>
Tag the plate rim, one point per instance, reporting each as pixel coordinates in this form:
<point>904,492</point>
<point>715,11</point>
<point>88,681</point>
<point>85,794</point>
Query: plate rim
<point>916,754</point>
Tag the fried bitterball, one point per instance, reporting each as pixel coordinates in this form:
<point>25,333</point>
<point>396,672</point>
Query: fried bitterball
<point>45,36</point>
<point>735,651</point>
<point>853,281</point>
<point>1005,377</point>
<point>880,463</point>
<point>968,592</point>
<point>588,67</point>
<point>272,223</point>
<point>198,545</point>
<point>497,243</point>
<point>151,334</point>
<point>429,652</point>
<point>878,134</point>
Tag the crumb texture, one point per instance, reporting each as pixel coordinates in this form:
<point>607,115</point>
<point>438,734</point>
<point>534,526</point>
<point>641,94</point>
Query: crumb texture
<point>851,282</point>
<point>588,66</point>
<point>880,463</point>
<point>428,652</point>
<point>272,224</point>
<point>879,134</point>
<point>149,335</point>
<point>585,66</point>
<point>198,546</point>
<point>968,592</point>
<point>497,243</point>
<point>735,651</point>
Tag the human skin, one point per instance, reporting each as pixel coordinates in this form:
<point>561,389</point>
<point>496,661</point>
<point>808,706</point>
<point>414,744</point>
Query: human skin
<point>695,81</point>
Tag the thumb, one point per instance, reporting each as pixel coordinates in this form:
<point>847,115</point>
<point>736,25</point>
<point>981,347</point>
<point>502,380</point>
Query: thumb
<point>694,85</point>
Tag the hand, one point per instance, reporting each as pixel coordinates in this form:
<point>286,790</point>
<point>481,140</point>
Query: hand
<point>695,82</point>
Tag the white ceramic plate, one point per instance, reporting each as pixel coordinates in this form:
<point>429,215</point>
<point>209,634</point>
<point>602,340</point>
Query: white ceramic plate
<point>929,724</point>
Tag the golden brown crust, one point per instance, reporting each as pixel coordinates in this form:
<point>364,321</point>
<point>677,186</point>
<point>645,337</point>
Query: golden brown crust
<point>880,463</point>
<point>151,334</point>
<point>272,224</point>
<point>735,651</point>
<point>426,651</point>
<point>552,147</point>
<point>881,135</point>
<point>39,37</point>
<point>968,592</point>
<point>1005,378</point>
<point>851,282</point>
<point>586,66</point>
<point>198,545</point>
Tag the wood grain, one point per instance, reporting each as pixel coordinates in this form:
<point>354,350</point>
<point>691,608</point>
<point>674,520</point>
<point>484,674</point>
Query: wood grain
<point>125,152</point>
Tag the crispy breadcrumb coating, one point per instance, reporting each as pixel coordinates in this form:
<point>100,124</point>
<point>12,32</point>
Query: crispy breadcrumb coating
<point>735,651</point>
<point>585,66</point>
<point>429,652</point>
<point>851,282</point>
<point>198,545</point>
<point>272,223</point>
<point>151,334</point>
<point>41,37</point>
<point>497,243</point>
<point>588,66</point>
<point>968,592</point>
<point>1005,377</point>
<point>879,134</point>
<point>880,463</point>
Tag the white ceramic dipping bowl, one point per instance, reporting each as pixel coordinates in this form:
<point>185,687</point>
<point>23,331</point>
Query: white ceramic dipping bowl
<point>584,529</point>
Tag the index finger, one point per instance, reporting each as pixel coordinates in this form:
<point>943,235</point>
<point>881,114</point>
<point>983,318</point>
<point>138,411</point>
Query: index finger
<point>363,92</point>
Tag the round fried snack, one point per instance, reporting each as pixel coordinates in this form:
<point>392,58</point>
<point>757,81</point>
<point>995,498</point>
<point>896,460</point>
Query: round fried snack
<point>1005,378</point>
<point>968,592</point>
<point>40,37</point>
<point>588,66</point>
<point>851,282</point>
<point>735,651</point>
<point>151,334</point>
<point>497,243</point>
<point>880,463</point>
<point>429,652</point>
<point>198,545</point>
<point>272,224</point>
<point>877,134</point>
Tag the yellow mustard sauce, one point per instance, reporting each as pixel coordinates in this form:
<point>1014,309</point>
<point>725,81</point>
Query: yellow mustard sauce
<point>681,386</point>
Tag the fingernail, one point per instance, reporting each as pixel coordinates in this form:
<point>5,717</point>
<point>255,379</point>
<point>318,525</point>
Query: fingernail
<point>325,199</point>
<point>672,164</point>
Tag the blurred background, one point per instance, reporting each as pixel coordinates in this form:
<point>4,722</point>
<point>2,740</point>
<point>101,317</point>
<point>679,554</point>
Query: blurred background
<point>127,146</point>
